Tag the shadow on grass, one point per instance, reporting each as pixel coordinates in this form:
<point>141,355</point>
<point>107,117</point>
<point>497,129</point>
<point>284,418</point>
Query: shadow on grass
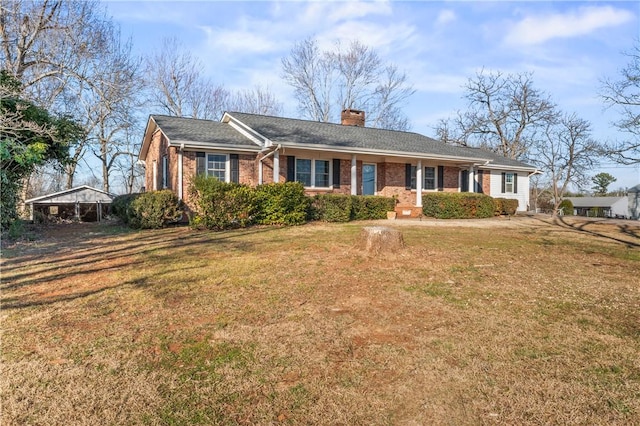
<point>135,253</point>
<point>581,226</point>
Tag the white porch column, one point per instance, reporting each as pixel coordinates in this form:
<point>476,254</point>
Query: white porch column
<point>419,184</point>
<point>276,167</point>
<point>260,172</point>
<point>354,175</point>
<point>472,179</point>
<point>180,173</point>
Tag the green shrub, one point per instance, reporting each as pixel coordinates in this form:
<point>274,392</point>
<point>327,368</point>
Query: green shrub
<point>332,207</point>
<point>220,205</point>
<point>282,204</point>
<point>120,206</point>
<point>148,210</point>
<point>505,206</point>
<point>462,205</point>
<point>566,207</point>
<point>369,207</point>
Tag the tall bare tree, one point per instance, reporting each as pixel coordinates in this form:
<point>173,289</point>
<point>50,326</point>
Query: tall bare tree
<point>326,82</point>
<point>505,114</point>
<point>255,101</point>
<point>46,42</point>
<point>178,87</point>
<point>566,153</point>
<point>624,96</point>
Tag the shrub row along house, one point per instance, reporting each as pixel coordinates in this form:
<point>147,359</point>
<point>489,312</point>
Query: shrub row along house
<point>346,158</point>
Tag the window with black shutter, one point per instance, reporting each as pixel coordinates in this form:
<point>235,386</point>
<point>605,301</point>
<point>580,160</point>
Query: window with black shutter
<point>440,178</point>
<point>291,168</point>
<point>234,159</point>
<point>336,173</point>
<point>201,163</point>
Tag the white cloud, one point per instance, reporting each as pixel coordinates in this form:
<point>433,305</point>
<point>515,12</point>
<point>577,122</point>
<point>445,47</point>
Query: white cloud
<point>539,29</point>
<point>445,17</point>
<point>357,9</point>
<point>238,41</point>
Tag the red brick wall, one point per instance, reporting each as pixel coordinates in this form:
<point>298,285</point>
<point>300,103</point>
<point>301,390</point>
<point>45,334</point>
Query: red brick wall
<point>394,181</point>
<point>451,179</point>
<point>157,148</point>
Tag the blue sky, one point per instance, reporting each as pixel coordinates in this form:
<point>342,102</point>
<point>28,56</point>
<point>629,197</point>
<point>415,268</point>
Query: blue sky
<point>569,46</point>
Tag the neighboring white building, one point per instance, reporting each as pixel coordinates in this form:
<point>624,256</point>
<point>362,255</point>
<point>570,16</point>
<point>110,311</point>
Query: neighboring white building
<point>600,206</point>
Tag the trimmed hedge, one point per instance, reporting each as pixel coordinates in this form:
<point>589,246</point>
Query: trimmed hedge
<point>505,206</point>
<point>282,204</point>
<point>148,210</point>
<point>344,208</point>
<point>220,205</point>
<point>458,205</point>
<point>332,207</point>
<point>370,207</point>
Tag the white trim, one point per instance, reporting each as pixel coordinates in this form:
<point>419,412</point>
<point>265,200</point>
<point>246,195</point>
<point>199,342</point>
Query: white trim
<point>180,172</point>
<point>276,167</point>
<point>419,183</point>
<point>154,175</point>
<point>354,175</point>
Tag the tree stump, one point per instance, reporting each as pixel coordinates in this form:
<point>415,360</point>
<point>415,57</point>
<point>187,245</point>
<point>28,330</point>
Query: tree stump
<point>381,239</point>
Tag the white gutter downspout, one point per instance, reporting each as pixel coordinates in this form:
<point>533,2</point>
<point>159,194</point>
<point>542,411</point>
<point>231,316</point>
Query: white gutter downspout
<point>180,183</point>
<point>354,175</point>
<point>276,162</point>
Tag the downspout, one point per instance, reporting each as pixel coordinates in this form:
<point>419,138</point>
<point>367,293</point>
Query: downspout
<point>275,172</point>
<point>180,171</point>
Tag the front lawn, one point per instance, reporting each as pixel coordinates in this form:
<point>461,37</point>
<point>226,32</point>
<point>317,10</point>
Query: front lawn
<point>515,322</point>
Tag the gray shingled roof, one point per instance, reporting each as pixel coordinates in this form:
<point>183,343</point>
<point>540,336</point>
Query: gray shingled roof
<point>594,201</point>
<point>288,130</point>
<point>200,131</point>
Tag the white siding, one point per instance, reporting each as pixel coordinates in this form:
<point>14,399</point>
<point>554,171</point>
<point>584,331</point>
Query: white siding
<point>523,188</point>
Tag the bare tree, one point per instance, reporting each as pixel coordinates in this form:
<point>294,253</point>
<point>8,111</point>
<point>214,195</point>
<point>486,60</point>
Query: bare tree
<point>624,96</point>
<point>255,101</point>
<point>177,85</point>
<point>505,114</point>
<point>326,82</point>
<point>45,43</point>
<point>566,153</point>
<point>110,104</point>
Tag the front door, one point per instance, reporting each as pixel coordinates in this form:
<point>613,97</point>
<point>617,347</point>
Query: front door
<point>368,179</point>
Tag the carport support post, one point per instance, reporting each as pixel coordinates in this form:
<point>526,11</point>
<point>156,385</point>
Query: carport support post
<point>78,211</point>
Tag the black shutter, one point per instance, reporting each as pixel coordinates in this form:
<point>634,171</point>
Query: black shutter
<point>440,178</point>
<point>291,168</point>
<point>515,183</point>
<point>504,179</point>
<point>201,163</point>
<point>407,176</point>
<point>464,185</point>
<point>480,177</point>
<point>336,173</point>
<point>235,168</point>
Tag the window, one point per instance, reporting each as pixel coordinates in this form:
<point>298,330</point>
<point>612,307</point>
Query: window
<point>429,178</point>
<point>217,166</point>
<point>509,183</point>
<point>313,173</point>
<point>303,172</point>
<point>165,172</point>
<point>322,173</point>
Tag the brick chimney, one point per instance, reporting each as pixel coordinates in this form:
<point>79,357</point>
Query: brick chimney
<point>352,117</point>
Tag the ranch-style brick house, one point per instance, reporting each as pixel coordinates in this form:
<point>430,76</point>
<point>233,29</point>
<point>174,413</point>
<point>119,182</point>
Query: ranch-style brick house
<point>346,158</point>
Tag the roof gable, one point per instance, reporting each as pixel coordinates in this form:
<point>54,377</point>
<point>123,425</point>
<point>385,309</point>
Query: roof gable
<point>82,194</point>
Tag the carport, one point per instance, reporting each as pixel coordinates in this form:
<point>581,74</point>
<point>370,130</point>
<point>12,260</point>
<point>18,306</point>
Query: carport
<point>82,203</point>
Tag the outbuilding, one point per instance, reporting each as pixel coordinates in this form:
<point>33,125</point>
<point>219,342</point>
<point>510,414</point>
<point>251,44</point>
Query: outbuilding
<point>82,203</point>
<point>634,202</point>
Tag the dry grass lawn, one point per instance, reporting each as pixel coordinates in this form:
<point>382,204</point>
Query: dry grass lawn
<point>497,321</point>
